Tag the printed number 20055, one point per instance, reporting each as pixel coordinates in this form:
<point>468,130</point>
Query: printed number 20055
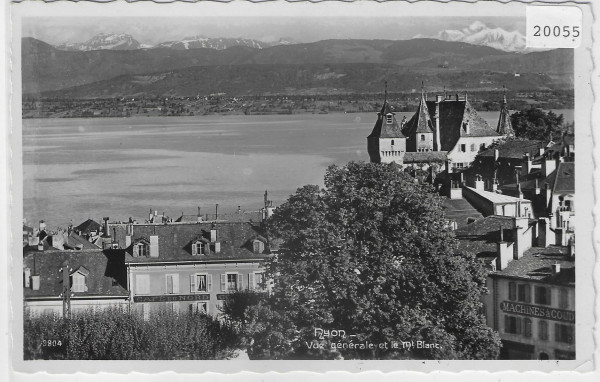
<point>556,31</point>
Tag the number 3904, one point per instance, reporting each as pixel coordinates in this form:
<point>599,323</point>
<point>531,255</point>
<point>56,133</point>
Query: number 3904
<point>555,31</point>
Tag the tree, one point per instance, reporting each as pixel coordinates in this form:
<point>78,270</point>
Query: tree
<point>534,123</point>
<point>369,257</point>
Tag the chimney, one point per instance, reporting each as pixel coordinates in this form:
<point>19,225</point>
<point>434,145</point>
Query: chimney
<point>548,195</point>
<point>537,186</point>
<point>213,234</point>
<point>217,211</point>
<point>502,253</point>
<point>548,166</point>
<point>494,185</point>
<point>521,244</point>
<point>154,246</point>
<point>150,216</point>
<point>26,277</point>
<point>437,144</point>
<point>106,229</point>
<point>40,245</point>
<point>561,237</point>
<point>35,282</point>
<point>198,215</point>
<point>42,226</point>
<point>571,246</point>
<point>479,184</point>
<point>496,155</point>
<point>555,268</point>
<point>545,234</point>
<point>519,192</point>
<point>526,165</point>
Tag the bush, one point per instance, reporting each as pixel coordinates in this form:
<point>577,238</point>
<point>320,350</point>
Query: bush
<point>114,334</point>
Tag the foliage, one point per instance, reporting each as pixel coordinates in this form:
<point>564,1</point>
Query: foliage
<point>370,255</point>
<point>113,334</point>
<point>534,123</point>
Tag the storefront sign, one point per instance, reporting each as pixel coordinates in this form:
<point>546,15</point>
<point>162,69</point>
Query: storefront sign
<point>222,297</point>
<point>537,311</point>
<point>172,298</point>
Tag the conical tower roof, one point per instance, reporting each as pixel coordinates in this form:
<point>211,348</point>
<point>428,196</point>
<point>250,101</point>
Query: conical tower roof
<point>504,124</point>
<point>420,121</point>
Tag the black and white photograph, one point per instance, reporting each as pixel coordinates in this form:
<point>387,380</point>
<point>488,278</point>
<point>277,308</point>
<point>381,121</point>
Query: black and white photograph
<point>337,182</point>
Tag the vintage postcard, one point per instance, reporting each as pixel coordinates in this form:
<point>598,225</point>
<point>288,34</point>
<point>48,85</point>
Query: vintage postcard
<point>297,186</point>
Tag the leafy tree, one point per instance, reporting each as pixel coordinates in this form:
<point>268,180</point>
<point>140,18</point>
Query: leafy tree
<point>369,254</point>
<point>534,123</point>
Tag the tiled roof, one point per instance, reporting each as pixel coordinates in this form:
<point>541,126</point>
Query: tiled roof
<point>425,157</point>
<point>107,273</point>
<point>565,178</point>
<point>495,197</point>
<point>175,240</point>
<point>515,149</point>
<point>481,236</point>
<point>529,183</point>
<point>77,242</point>
<point>459,210</point>
<point>536,264</point>
<point>382,129</point>
<point>88,226</point>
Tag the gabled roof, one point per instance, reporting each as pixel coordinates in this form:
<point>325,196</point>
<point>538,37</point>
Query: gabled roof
<point>382,128</point>
<point>459,211</point>
<point>174,241</point>
<point>88,226</point>
<point>536,264</point>
<point>495,197</point>
<point>107,275</point>
<point>481,236</point>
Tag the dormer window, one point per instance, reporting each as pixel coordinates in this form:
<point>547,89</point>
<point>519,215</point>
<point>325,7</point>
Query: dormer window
<point>78,280</point>
<point>200,247</point>
<point>141,249</point>
<point>389,118</point>
<point>258,246</point>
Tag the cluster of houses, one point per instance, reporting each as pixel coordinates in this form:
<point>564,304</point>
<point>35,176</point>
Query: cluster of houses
<point>511,205</point>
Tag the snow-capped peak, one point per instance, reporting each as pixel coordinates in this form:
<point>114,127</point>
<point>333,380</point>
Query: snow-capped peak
<point>480,34</point>
<point>100,41</point>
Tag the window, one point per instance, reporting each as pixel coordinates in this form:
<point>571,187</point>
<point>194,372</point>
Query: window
<point>199,307</point>
<point>422,137</point>
<point>527,327</point>
<point>524,293</point>
<point>542,295</point>
<point>463,148</point>
<point>392,142</point>
<point>472,146</point>
<point>564,333</point>
<point>256,281</point>
<point>482,146</point>
<point>543,330</point>
<point>231,282</point>
<point>140,249</point>
<point>200,283</point>
<point>142,284</point>
<point>172,284</point>
<point>78,283</point>
<point>512,325</point>
<point>258,246</point>
<point>199,248</point>
<point>172,307</point>
<point>563,299</point>
<point>512,291</point>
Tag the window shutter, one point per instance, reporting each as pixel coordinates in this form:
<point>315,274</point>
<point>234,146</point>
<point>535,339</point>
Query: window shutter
<point>519,325</point>
<point>136,252</point>
<point>512,291</point>
<point>194,249</point>
<point>527,293</point>
<point>193,287</point>
<point>240,278</point>
<point>175,281</point>
<point>223,282</point>
<point>209,283</point>
<point>251,281</point>
<point>557,332</point>
<point>169,284</point>
<point>549,296</point>
<point>506,324</point>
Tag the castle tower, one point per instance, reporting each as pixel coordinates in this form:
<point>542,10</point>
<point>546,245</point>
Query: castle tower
<point>504,124</point>
<point>420,130</point>
<point>386,143</point>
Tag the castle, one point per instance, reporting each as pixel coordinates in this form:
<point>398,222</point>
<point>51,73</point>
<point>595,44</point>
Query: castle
<point>447,130</point>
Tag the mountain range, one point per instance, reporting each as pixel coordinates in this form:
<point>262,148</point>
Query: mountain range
<point>345,65</point>
<point>480,34</point>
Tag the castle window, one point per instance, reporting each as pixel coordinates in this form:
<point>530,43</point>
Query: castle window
<point>422,137</point>
<point>392,142</point>
<point>463,148</point>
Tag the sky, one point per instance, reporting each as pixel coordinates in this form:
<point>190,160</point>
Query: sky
<point>153,30</point>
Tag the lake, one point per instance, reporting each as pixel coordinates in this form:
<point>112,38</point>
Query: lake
<point>75,169</point>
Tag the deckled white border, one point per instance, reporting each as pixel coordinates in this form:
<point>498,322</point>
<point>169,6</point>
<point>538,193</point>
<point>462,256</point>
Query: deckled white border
<point>585,300</point>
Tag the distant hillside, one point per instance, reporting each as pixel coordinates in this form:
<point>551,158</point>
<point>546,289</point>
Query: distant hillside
<point>254,79</point>
<point>356,64</point>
